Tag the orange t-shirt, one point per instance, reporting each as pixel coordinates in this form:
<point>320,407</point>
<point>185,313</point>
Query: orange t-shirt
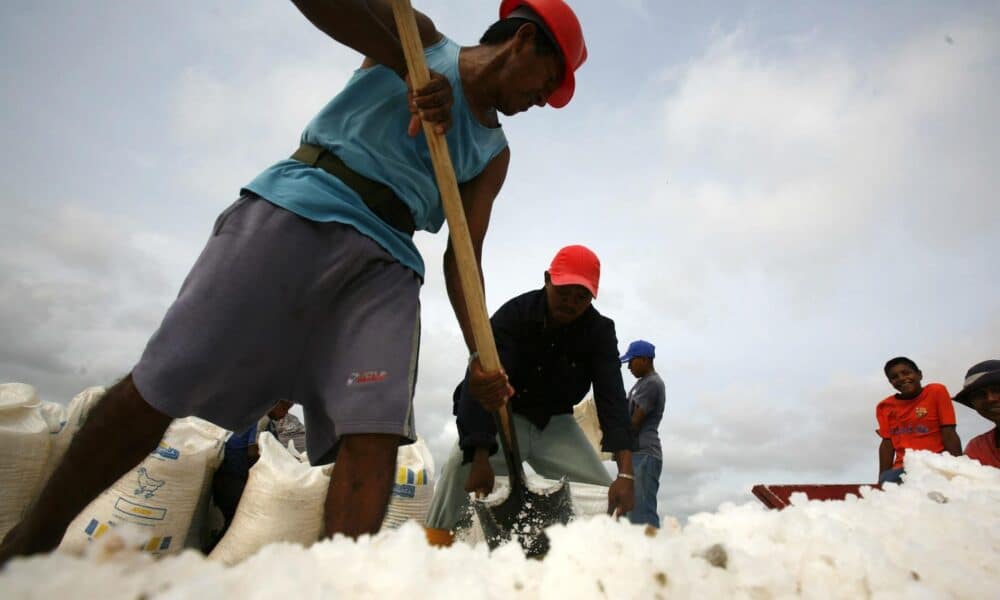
<point>916,423</point>
<point>984,449</point>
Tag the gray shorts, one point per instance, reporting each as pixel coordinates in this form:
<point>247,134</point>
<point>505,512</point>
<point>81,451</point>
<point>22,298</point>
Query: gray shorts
<point>278,306</point>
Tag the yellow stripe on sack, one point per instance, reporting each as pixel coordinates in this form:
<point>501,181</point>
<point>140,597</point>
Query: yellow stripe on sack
<point>401,475</point>
<point>420,477</point>
<point>101,530</point>
<point>153,545</point>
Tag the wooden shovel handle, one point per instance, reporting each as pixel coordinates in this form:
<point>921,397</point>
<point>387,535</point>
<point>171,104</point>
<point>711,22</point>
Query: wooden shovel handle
<point>444,172</point>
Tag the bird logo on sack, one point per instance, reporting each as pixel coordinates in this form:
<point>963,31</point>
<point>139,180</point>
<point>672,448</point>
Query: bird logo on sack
<point>366,377</point>
<point>147,485</point>
<point>921,412</point>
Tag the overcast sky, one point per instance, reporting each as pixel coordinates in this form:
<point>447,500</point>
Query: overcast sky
<point>783,196</point>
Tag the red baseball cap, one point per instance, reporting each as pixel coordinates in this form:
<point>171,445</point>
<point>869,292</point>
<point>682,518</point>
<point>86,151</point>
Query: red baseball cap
<point>561,24</point>
<point>576,265</point>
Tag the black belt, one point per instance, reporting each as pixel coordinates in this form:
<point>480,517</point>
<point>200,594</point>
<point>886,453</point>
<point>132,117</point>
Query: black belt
<point>377,196</point>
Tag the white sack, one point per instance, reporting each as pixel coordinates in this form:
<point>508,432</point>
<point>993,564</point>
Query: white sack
<point>585,414</point>
<point>54,415</point>
<point>414,486</point>
<point>302,457</point>
<point>24,447</point>
<point>283,501</point>
<point>199,533</point>
<point>160,495</point>
<point>74,416</point>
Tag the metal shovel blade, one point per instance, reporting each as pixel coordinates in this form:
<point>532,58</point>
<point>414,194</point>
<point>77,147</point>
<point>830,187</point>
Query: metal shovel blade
<point>525,514</point>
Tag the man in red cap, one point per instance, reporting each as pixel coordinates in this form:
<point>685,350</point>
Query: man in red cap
<point>554,345</point>
<point>308,286</point>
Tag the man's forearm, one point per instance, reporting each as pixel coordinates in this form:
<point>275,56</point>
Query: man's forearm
<point>886,452</point>
<point>624,460</point>
<point>637,418</point>
<point>454,285</point>
<point>352,23</point>
<point>952,443</point>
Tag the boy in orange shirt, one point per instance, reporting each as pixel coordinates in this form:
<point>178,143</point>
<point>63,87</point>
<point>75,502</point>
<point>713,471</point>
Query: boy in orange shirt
<point>981,393</point>
<point>918,418</point>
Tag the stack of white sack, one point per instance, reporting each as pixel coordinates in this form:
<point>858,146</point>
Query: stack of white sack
<point>34,436</point>
<point>284,499</point>
<point>159,498</point>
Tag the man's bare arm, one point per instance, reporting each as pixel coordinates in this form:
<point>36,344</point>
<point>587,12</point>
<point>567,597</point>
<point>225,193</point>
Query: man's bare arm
<point>621,493</point>
<point>367,26</point>
<point>886,453</point>
<point>952,443</point>
<point>637,417</point>
<point>478,195</point>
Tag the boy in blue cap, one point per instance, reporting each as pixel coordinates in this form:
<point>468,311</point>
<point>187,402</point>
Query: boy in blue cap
<point>646,401</point>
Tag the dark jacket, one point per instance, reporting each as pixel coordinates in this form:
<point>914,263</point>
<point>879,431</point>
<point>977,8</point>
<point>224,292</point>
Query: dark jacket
<point>550,369</point>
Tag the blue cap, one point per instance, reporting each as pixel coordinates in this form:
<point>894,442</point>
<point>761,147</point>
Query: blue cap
<point>639,348</point>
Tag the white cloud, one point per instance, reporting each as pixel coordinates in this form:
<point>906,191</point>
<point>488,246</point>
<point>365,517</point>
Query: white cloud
<point>227,127</point>
<point>638,7</point>
<point>803,187</point>
<point>81,293</point>
<point>770,155</point>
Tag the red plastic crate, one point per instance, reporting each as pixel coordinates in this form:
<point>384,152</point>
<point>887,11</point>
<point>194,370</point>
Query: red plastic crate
<point>777,496</point>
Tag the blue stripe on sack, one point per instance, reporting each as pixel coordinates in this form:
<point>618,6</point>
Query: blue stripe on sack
<point>89,529</point>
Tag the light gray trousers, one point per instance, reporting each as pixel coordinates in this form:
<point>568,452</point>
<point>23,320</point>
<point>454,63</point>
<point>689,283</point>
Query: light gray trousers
<point>559,450</point>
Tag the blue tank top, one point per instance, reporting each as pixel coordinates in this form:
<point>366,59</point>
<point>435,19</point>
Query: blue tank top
<point>365,125</point>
